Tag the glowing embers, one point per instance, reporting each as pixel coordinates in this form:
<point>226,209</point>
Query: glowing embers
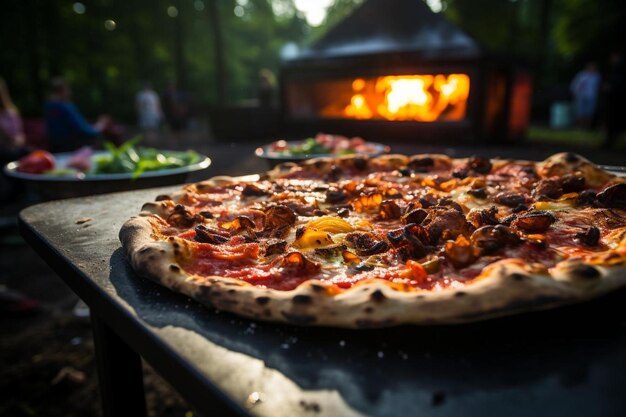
<point>424,98</point>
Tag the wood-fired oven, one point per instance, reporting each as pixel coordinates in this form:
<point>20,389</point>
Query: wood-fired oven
<point>395,70</point>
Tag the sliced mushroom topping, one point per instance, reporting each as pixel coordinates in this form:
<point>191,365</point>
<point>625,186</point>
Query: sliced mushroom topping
<point>459,252</point>
<point>297,264</point>
<point>547,188</point>
<point>554,188</point>
<point>410,241</point>
<point>448,202</point>
<point>181,217</point>
<point>589,236</point>
<point>240,225</point>
<point>279,216</point>
<point>331,251</point>
<point>209,235</point>
<point>252,190</point>
<point>613,196</point>
<point>446,224</point>
<point>365,243</point>
<point>483,217</point>
<point>389,210</point>
<point>510,199</point>
<point>534,222</point>
<point>489,239</point>
<point>275,247</point>
<point>416,216</point>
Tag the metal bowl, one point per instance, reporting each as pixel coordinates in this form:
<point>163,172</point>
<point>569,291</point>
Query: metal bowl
<point>53,187</point>
<point>274,158</point>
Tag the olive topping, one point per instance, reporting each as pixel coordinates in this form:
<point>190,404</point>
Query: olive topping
<point>251,190</point>
<point>613,196</point>
<point>421,164</point>
<point>586,197</point>
<point>534,222</point>
<point>572,183</point>
<point>590,236</point>
<point>510,199</point>
<point>336,197</point>
<point>275,247</point>
<point>478,193</point>
<point>489,239</point>
<point>479,165</point>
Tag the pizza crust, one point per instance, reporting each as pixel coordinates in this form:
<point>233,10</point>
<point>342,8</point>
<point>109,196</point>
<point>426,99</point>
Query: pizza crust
<point>505,288</point>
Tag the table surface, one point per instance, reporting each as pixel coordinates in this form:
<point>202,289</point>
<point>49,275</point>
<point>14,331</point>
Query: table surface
<point>570,360</point>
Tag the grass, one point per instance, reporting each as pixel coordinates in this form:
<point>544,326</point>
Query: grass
<point>571,137</point>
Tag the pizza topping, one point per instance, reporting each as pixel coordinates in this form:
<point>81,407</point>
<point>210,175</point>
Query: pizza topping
<point>307,237</point>
<point>278,216</point>
<point>590,236</point>
<point>534,222</point>
<point>443,224</point>
<point>366,244</point>
<point>483,217</point>
<point>426,222</point>
<point>613,196</point>
<point>296,264</point>
<point>489,239</point>
<point>416,216</point>
<point>459,252</point>
<point>183,218</point>
<point>205,234</point>
<point>510,199</point>
<point>389,210</point>
<point>331,225</point>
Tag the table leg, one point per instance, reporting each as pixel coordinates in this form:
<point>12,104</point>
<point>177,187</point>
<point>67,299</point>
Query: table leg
<point>119,373</point>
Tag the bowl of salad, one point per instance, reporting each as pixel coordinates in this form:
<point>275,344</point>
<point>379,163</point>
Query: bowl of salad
<point>87,172</point>
<point>322,144</point>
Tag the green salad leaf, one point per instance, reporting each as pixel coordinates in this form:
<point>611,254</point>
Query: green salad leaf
<point>128,158</point>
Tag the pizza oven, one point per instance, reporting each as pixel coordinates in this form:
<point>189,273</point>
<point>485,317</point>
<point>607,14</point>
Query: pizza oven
<point>395,70</point>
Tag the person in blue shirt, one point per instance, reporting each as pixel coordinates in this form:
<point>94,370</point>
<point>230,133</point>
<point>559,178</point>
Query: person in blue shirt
<point>67,128</point>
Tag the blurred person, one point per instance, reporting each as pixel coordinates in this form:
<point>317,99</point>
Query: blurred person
<point>12,139</point>
<point>149,112</point>
<point>67,128</point>
<point>585,88</point>
<point>615,89</point>
<point>175,107</point>
<point>267,85</point>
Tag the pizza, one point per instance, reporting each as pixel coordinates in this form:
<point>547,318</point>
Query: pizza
<point>363,242</point>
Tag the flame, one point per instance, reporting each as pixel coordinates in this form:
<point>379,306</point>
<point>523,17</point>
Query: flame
<point>410,97</point>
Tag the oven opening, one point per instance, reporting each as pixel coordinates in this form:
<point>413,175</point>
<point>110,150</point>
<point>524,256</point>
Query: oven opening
<point>414,97</point>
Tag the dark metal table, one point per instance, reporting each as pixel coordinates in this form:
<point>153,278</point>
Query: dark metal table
<point>570,361</point>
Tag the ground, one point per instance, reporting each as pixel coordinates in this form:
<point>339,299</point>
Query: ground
<point>46,357</point>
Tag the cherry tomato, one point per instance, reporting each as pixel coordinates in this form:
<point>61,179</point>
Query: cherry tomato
<point>37,162</point>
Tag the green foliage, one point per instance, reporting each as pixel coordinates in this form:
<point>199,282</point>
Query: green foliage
<point>44,38</point>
